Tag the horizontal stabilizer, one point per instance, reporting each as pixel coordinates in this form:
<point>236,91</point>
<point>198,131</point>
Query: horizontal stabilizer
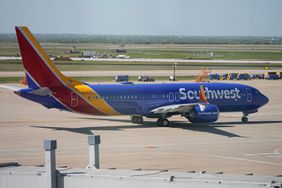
<point>9,87</point>
<point>44,91</point>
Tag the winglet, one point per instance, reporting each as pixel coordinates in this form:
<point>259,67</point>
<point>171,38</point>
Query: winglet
<point>202,95</point>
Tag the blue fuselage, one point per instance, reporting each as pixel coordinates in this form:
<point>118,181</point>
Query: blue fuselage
<point>142,98</point>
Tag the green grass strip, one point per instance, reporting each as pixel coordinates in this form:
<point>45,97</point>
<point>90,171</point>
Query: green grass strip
<point>101,79</point>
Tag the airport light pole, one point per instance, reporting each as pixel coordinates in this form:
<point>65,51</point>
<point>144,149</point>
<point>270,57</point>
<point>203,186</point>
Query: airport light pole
<point>174,68</point>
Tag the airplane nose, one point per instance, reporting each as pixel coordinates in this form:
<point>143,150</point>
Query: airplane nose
<point>264,100</point>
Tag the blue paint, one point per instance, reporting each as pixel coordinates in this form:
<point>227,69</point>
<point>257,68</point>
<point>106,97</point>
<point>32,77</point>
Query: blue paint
<point>141,99</point>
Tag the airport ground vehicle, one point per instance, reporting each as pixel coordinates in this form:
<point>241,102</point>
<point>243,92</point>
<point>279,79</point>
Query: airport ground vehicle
<point>145,78</point>
<point>198,102</point>
<point>232,76</point>
<point>224,76</point>
<point>172,78</point>
<point>261,76</point>
<point>123,57</point>
<point>257,76</point>
<point>244,76</point>
<point>214,76</point>
<point>272,77</point>
<point>121,78</point>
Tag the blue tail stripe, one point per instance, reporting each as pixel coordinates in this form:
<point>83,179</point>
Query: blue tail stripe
<point>31,83</point>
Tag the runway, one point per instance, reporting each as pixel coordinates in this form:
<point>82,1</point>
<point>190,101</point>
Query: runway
<point>170,60</point>
<point>100,73</point>
<point>227,145</point>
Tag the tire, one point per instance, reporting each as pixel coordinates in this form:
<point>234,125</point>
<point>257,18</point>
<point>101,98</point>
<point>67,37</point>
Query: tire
<point>159,122</point>
<point>165,123</point>
<point>134,119</point>
<point>139,120</point>
<point>162,122</point>
<point>244,119</point>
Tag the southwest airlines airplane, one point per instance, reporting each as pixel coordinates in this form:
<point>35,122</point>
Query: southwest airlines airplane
<point>198,102</point>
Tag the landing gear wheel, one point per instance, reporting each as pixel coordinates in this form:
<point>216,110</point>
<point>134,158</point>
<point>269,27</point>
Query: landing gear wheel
<point>244,119</point>
<point>163,122</point>
<point>159,121</point>
<point>133,119</point>
<point>139,120</point>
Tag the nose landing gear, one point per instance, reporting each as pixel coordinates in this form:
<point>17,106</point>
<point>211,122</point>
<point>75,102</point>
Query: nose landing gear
<point>244,118</point>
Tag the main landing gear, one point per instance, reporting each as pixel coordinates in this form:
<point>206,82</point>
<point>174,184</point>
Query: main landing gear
<point>162,122</point>
<point>244,118</point>
<point>137,119</point>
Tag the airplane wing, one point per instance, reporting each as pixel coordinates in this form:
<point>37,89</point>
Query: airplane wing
<point>184,108</point>
<point>179,108</point>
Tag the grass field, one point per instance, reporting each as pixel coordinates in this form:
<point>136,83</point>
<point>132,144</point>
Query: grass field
<point>175,51</point>
<point>178,51</point>
<point>16,65</point>
<point>100,79</point>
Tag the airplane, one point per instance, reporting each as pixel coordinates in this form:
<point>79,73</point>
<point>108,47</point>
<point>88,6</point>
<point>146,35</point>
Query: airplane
<point>198,102</point>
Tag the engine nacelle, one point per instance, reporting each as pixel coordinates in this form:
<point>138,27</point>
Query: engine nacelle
<point>208,115</point>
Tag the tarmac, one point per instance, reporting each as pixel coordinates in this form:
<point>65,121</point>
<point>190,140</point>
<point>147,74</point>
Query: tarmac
<point>226,146</point>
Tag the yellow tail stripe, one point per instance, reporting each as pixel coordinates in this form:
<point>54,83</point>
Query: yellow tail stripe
<point>93,98</point>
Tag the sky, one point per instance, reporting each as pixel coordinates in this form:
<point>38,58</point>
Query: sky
<point>145,17</point>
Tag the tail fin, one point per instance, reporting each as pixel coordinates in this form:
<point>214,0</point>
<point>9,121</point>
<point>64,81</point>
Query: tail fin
<point>39,68</point>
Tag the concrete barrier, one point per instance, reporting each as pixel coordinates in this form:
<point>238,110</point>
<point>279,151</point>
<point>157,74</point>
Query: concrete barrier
<point>51,177</point>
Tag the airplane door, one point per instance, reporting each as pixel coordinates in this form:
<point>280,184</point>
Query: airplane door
<point>74,99</point>
<point>177,97</point>
<point>249,95</point>
<point>171,97</point>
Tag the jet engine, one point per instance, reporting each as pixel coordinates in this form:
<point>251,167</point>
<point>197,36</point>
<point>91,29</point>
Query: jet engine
<point>205,114</point>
